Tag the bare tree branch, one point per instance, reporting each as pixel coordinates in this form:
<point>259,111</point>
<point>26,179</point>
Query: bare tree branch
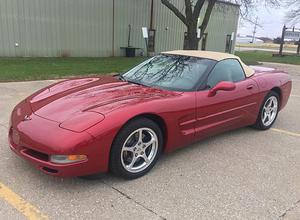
<point>172,7</point>
<point>207,15</point>
<point>248,6</point>
<point>294,14</point>
<point>188,10</point>
<point>192,14</point>
<point>198,8</point>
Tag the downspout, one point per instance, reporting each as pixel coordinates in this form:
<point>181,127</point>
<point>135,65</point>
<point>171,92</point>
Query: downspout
<point>151,39</point>
<point>151,16</point>
<point>113,28</point>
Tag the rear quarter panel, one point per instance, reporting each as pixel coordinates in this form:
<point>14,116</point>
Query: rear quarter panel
<point>274,80</point>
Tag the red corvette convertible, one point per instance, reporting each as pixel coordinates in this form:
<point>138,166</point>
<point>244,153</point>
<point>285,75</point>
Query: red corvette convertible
<point>123,123</point>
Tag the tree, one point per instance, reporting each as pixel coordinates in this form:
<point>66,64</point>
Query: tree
<point>294,14</point>
<point>192,12</point>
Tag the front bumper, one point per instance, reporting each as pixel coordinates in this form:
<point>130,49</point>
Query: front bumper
<point>61,170</point>
<point>35,140</point>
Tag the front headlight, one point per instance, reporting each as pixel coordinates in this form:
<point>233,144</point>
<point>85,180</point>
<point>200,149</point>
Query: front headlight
<point>63,159</point>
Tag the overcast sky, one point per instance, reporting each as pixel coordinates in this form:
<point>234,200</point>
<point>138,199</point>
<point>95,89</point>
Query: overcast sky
<point>271,20</point>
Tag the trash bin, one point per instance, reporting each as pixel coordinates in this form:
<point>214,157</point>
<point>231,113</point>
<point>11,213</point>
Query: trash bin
<point>130,51</point>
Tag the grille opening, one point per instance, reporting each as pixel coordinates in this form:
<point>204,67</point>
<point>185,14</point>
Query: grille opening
<point>49,170</point>
<point>37,154</point>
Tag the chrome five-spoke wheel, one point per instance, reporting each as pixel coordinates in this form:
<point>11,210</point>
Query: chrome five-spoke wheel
<point>139,150</point>
<point>270,110</point>
<point>136,148</point>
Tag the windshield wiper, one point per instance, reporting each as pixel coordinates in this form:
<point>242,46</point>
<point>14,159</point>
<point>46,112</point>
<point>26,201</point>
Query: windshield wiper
<point>137,83</point>
<point>121,77</point>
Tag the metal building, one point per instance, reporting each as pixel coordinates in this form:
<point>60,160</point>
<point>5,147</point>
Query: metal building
<point>98,28</point>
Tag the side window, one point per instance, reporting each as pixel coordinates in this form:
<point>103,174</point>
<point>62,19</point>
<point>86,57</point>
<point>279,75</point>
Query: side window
<point>226,70</point>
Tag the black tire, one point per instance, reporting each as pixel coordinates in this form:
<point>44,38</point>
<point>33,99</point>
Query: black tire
<point>116,165</point>
<point>259,122</point>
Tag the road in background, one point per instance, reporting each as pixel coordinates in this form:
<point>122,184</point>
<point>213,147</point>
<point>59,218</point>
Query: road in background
<point>237,48</point>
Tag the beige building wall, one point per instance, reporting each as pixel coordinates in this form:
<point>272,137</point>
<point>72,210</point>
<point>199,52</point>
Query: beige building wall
<point>98,28</point>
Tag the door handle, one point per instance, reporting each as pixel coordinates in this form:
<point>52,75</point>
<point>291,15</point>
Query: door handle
<point>250,87</point>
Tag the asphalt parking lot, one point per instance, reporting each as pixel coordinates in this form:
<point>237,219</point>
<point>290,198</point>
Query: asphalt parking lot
<point>243,174</point>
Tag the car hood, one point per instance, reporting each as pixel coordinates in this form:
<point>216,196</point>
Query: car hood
<point>63,100</point>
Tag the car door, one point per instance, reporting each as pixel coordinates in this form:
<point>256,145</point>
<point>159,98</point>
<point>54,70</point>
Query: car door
<point>225,110</point>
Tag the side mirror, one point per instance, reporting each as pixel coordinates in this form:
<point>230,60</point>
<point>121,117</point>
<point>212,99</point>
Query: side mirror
<point>223,86</point>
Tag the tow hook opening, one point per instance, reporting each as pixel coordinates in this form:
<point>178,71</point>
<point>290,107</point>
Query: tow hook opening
<point>49,170</point>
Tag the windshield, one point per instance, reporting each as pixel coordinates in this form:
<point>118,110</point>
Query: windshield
<point>179,73</point>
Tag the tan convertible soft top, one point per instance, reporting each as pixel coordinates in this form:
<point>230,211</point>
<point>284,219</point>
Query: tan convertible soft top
<point>213,56</point>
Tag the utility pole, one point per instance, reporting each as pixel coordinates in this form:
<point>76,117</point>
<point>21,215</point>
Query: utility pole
<point>255,28</point>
